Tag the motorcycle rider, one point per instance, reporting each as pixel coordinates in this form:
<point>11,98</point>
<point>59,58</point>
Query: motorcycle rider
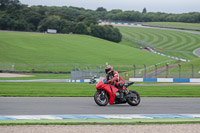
<point>114,77</point>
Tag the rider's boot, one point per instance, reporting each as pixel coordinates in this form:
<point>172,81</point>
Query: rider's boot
<point>126,91</point>
<point>121,94</point>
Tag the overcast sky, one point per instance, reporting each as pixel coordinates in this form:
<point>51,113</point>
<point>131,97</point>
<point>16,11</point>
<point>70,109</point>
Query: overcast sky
<point>168,6</point>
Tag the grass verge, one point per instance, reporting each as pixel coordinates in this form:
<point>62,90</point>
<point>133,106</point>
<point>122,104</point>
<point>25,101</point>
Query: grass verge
<point>49,89</point>
<point>102,121</point>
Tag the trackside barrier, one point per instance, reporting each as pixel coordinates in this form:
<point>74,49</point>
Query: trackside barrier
<point>78,81</point>
<point>186,80</point>
<point>123,23</point>
<point>183,80</point>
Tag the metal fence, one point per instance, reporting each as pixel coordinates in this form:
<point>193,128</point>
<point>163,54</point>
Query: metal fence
<point>143,71</point>
<point>79,71</point>
<point>167,71</point>
<point>85,74</point>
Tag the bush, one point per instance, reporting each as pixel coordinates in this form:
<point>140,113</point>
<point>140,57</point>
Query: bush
<point>107,32</point>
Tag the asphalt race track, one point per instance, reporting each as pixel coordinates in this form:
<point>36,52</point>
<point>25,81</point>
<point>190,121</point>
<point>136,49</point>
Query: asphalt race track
<point>86,105</point>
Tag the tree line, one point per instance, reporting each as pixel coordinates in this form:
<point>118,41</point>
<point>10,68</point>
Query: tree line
<point>17,16</point>
<point>144,16</point>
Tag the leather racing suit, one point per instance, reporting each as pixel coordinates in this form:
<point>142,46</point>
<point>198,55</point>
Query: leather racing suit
<point>114,77</point>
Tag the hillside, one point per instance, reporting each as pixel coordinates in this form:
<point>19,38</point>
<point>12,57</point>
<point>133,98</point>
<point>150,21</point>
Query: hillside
<point>174,43</point>
<point>38,48</point>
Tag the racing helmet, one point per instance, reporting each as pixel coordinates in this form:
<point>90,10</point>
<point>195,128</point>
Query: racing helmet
<point>108,69</point>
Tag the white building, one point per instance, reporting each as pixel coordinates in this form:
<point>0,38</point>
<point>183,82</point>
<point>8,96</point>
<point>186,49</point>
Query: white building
<point>51,31</point>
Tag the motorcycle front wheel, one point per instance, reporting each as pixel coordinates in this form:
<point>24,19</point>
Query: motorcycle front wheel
<point>101,98</point>
<point>134,101</point>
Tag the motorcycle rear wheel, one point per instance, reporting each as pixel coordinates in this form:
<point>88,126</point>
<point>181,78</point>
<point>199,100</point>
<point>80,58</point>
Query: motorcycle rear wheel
<point>134,101</point>
<point>101,100</point>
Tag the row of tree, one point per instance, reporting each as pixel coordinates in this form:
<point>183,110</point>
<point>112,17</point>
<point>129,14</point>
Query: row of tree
<point>17,16</point>
<point>144,16</point>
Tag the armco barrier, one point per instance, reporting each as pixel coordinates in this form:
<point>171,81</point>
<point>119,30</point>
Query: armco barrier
<point>186,80</point>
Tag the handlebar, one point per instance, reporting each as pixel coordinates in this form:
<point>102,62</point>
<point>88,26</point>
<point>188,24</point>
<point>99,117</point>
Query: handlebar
<point>110,83</point>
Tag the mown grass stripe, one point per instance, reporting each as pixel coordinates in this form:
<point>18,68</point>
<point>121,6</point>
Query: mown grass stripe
<point>162,39</point>
<point>148,37</point>
<point>170,40</point>
<point>176,40</point>
<point>188,43</point>
<point>167,39</point>
<point>192,45</point>
<point>155,38</point>
<point>181,40</point>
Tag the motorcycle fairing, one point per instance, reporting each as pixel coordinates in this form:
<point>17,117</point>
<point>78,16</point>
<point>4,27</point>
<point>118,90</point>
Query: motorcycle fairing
<point>111,90</point>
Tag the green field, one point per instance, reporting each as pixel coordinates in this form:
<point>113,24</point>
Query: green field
<point>174,43</point>
<point>194,26</point>
<point>46,49</point>
<point>86,90</point>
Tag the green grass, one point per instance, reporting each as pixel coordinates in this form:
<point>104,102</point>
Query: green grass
<point>46,89</point>
<point>165,39</point>
<point>102,121</point>
<point>32,49</point>
<point>86,90</point>
<point>169,91</point>
<point>180,54</point>
<point>194,26</point>
<point>128,43</point>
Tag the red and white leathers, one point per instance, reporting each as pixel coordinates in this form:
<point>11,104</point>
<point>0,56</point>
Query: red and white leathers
<point>114,77</point>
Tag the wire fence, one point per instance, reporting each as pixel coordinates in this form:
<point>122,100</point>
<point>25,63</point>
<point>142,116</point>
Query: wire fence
<point>143,71</point>
<point>167,71</point>
<point>79,71</point>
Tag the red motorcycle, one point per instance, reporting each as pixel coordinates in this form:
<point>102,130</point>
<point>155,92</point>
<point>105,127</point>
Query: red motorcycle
<point>109,93</point>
